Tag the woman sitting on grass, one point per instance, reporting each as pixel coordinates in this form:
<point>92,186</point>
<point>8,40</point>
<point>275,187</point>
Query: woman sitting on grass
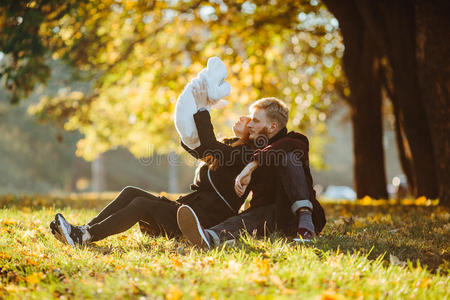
<point>213,197</point>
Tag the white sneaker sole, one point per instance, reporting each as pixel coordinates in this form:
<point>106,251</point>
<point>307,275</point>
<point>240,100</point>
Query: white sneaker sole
<point>64,228</point>
<point>190,226</point>
<point>56,233</point>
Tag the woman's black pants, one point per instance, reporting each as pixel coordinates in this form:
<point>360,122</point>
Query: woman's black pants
<point>156,215</point>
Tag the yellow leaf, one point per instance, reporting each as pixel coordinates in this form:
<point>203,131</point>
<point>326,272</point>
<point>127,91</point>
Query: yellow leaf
<point>34,278</point>
<point>407,202</point>
<point>8,222</point>
<point>176,262</point>
<point>32,262</point>
<point>421,200</point>
<point>330,295</point>
<point>263,266</point>
<point>424,283</point>
<point>174,293</point>
<point>366,200</point>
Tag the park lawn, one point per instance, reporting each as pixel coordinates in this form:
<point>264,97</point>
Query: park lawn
<point>366,251</point>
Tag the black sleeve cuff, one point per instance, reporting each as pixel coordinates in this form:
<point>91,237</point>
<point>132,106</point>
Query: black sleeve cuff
<point>204,127</point>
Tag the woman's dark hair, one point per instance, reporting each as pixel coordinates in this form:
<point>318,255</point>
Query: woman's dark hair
<point>213,163</point>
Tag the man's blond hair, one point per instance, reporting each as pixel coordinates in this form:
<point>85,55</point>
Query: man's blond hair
<point>276,110</point>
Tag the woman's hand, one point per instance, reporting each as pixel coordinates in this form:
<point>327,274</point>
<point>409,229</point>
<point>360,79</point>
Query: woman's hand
<point>200,94</point>
<point>243,179</point>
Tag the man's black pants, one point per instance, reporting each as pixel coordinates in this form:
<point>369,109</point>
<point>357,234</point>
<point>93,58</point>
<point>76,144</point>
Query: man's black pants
<point>292,193</point>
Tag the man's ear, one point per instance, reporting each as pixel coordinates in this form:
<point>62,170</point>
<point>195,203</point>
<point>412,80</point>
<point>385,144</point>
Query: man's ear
<point>273,127</point>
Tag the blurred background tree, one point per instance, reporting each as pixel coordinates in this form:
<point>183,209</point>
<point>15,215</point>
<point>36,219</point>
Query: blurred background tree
<point>39,157</point>
<point>132,59</point>
<point>138,55</point>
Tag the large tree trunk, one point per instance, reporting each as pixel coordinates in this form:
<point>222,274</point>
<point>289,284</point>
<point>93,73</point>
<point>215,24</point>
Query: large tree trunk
<point>392,27</point>
<point>362,68</point>
<point>369,170</point>
<point>404,152</point>
<point>433,59</point>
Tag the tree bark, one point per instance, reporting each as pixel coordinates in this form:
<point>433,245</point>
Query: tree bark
<point>433,60</point>
<point>392,27</point>
<point>404,152</point>
<point>369,170</point>
<point>362,68</point>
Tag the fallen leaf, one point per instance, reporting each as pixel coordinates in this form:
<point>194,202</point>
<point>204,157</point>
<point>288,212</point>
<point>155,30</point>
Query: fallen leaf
<point>176,262</point>
<point>174,293</point>
<point>263,266</point>
<point>122,237</point>
<point>331,295</point>
<point>8,222</point>
<point>424,283</point>
<point>137,290</point>
<point>34,278</point>
<point>32,262</point>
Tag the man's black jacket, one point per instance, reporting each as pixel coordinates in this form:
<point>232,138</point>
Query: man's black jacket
<point>264,184</point>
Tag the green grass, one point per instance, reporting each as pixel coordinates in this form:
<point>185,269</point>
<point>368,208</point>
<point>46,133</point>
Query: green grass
<point>366,252</point>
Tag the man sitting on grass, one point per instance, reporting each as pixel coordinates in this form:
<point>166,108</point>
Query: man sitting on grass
<point>283,196</point>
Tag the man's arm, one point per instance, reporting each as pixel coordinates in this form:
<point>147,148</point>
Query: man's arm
<point>243,179</point>
<point>271,155</point>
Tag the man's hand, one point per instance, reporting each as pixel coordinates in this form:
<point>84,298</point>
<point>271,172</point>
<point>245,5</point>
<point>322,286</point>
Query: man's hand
<point>243,179</point>
<point>201,94</point>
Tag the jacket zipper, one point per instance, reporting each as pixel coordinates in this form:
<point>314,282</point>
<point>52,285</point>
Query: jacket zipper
<point>217,191</point>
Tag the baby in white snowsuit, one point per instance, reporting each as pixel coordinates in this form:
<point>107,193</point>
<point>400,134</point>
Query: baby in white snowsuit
<point>214,74</point>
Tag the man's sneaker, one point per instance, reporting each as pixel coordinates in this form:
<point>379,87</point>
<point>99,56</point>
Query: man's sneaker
<point>56,233</point>
<point>191,228</point>
<point>73,235</point>
<point>305,236</point>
